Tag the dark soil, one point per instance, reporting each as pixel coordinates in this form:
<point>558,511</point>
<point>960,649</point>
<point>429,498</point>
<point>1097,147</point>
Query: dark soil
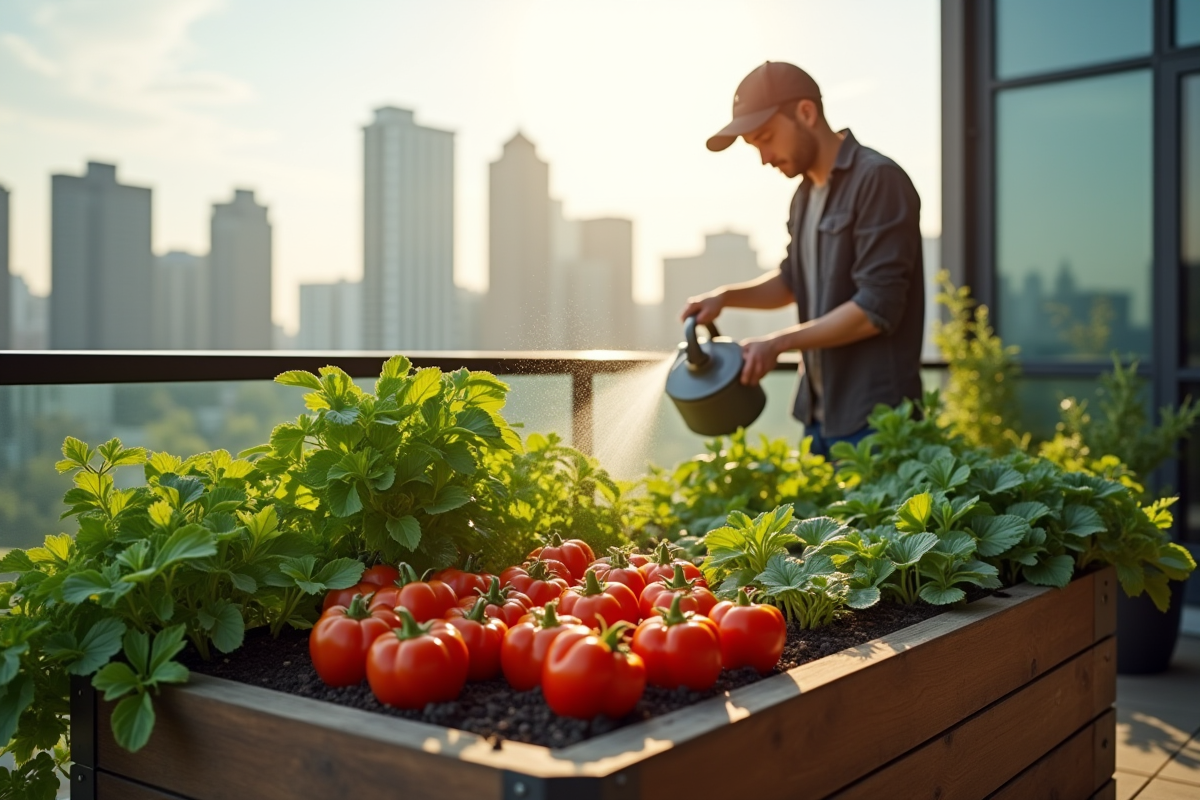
<point>493,709</point>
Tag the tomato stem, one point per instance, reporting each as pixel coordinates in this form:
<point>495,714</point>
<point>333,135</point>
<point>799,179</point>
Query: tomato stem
<point>358,608</point>
<point>409,627</point>
<point>591,584</point>
<point>477,611</point>
<point>550,615</point>
<point>743,599</point>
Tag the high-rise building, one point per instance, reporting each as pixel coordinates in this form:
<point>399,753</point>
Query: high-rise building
<point>30,316</point>
<point>330,316</point>
<point>100,262</point>
<point>591,299</point>
<point>727,258</point>
<point>239,265</point>
<point>408,234</point>
<point>519,302</point>
<point>181,313</point>
<point>6,324</point>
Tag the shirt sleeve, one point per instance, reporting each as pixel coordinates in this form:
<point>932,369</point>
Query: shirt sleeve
<point>887,241</point>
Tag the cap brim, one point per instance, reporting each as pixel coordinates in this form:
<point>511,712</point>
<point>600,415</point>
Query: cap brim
<point>740,125</point>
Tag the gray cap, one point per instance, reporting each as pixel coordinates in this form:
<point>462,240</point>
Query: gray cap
<point>759,96</point>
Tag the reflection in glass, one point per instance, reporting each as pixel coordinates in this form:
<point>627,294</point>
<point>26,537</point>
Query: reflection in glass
<point>1073,217</point>
<point>1039,400</point>
<point>1035,36</point>
<point>1187,22</point>
<point>1189,245</point>
<point>1188,518</point>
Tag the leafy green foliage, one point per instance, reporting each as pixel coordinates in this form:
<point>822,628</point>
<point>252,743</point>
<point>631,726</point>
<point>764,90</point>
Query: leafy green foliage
<point>733,475</point>
<point>981,401</point>
<point>1120,428</point>
<point>548,488</point>
<point>395,475</point>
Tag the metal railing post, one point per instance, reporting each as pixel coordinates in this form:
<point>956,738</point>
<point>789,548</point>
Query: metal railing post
<point>581,409</point>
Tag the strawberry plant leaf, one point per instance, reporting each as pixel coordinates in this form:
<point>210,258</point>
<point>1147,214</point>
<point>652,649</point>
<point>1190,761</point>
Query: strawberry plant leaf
<point>189,542</point>
<point>1051,571</point>
<point>913,516</point>
<point>996,535</point>
<point>115,679</point>
<point>341,573</point>
<point>99,644</point>
<point>15,697</point>
<point>132,721</point>
<point>906,550</point>
<point>344,500</point>
<point>405,531</point>
<point>1079,520</point>
<point>448,498</point>
<point>941,596</point>
<point>1030,511</point>
<point>301,378</point>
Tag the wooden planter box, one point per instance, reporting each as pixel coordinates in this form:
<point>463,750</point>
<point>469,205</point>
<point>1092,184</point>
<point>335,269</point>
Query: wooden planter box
<point>1009,697</point>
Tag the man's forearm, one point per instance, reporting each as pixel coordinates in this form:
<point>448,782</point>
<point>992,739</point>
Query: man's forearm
<point>846,324</point>
<point>766,292</point>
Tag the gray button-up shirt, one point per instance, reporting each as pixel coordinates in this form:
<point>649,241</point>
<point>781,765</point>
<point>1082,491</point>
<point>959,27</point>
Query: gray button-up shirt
<point>869,251</point>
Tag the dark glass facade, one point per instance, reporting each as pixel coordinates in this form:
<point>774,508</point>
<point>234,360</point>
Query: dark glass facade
<point>1071,196</point>
<point>1036,36</point>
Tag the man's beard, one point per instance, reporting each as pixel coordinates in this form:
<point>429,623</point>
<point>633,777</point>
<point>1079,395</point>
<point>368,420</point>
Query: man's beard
<point>804,154</point>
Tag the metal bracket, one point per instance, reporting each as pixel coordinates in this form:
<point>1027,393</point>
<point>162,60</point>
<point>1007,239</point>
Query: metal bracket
<point>623,785</point>
<point>83,722</point>
<point>83,782</point>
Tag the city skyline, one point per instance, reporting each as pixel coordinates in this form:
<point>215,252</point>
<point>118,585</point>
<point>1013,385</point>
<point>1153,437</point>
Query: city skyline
<point>198,104</point>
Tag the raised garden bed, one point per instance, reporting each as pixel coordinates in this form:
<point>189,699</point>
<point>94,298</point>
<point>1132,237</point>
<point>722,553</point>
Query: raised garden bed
<point>1010,696</point>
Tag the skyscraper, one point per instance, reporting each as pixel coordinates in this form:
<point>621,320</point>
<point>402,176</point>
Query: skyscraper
<point>330,316</point>
<point>591,302</point>
<point>408,234</point>
<point>6,320</point>
<point>519,303</point>
<point>181,309</point>
<point>727,258</point>
<point>101,266</point>
<point>240,274</point>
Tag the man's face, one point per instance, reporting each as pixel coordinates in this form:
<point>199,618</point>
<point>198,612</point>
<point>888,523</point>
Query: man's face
<point>786,143</point>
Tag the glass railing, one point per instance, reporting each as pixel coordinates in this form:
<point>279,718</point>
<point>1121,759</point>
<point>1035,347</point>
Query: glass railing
<point>610,404</point>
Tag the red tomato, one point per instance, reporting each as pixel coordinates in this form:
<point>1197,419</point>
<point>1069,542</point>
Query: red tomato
<point>339,642</point>
<point>679,649</point>
<point>575,553</point>
<point>342,597</point>
<point>381,575</point>
<point>601,604</point>
<point>425,599</point>
<point>505,604</point>
<point>536,581</point>
<point>484,635</point>
<point>418,663</point>
<point>662,565</point>
<point>525,645</point>
<point>752,635</point>
<point>617,568</point>
<point>658,595</point>
<point>592,673</point>
<point>464,581</point>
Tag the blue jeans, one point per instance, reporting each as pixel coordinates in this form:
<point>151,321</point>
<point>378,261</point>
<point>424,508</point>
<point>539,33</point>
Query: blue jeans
<point>821,444</point>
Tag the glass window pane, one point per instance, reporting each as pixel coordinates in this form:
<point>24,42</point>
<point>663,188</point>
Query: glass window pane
<point>1073,217</point>
<point>1187,22</point>
<point>1039,400</point>
<point>1034,36</point>
<point>1189,120</point>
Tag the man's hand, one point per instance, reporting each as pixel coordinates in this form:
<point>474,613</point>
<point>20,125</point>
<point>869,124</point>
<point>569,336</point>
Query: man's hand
<point>705,307</point>
<point>760,355</point>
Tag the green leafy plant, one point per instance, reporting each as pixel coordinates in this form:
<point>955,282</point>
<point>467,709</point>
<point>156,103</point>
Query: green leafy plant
<point>1120,426</point>
<point>546,488</point>
<point>394,475</point>
<point>980,393</point>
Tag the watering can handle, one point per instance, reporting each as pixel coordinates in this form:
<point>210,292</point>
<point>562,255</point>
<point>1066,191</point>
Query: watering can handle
<point>695,356</point>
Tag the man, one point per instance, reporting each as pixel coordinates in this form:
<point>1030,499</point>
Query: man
<point>853,266</point>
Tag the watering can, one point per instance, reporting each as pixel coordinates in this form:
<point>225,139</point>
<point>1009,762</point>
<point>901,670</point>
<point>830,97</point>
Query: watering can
<point>704,383</point>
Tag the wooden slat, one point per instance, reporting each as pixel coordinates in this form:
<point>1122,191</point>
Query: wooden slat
<point>1106,602</point>
<point>1107,792</point>
<point>865,707</point>
<point>981,754</point>
<point>113,787</point>
<point>1079,767</point>
<point>226,741</point>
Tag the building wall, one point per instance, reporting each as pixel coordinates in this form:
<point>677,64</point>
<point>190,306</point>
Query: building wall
<point>408,234</point>
<point>182,314</point>
<point>330,316</point>
<point>519,303</point>
<point>30,317</point>
<point>101,264</point>
<point>240,274</point>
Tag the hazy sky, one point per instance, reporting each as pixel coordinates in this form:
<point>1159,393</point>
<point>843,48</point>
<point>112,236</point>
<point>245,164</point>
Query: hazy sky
<point>196,97</point>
